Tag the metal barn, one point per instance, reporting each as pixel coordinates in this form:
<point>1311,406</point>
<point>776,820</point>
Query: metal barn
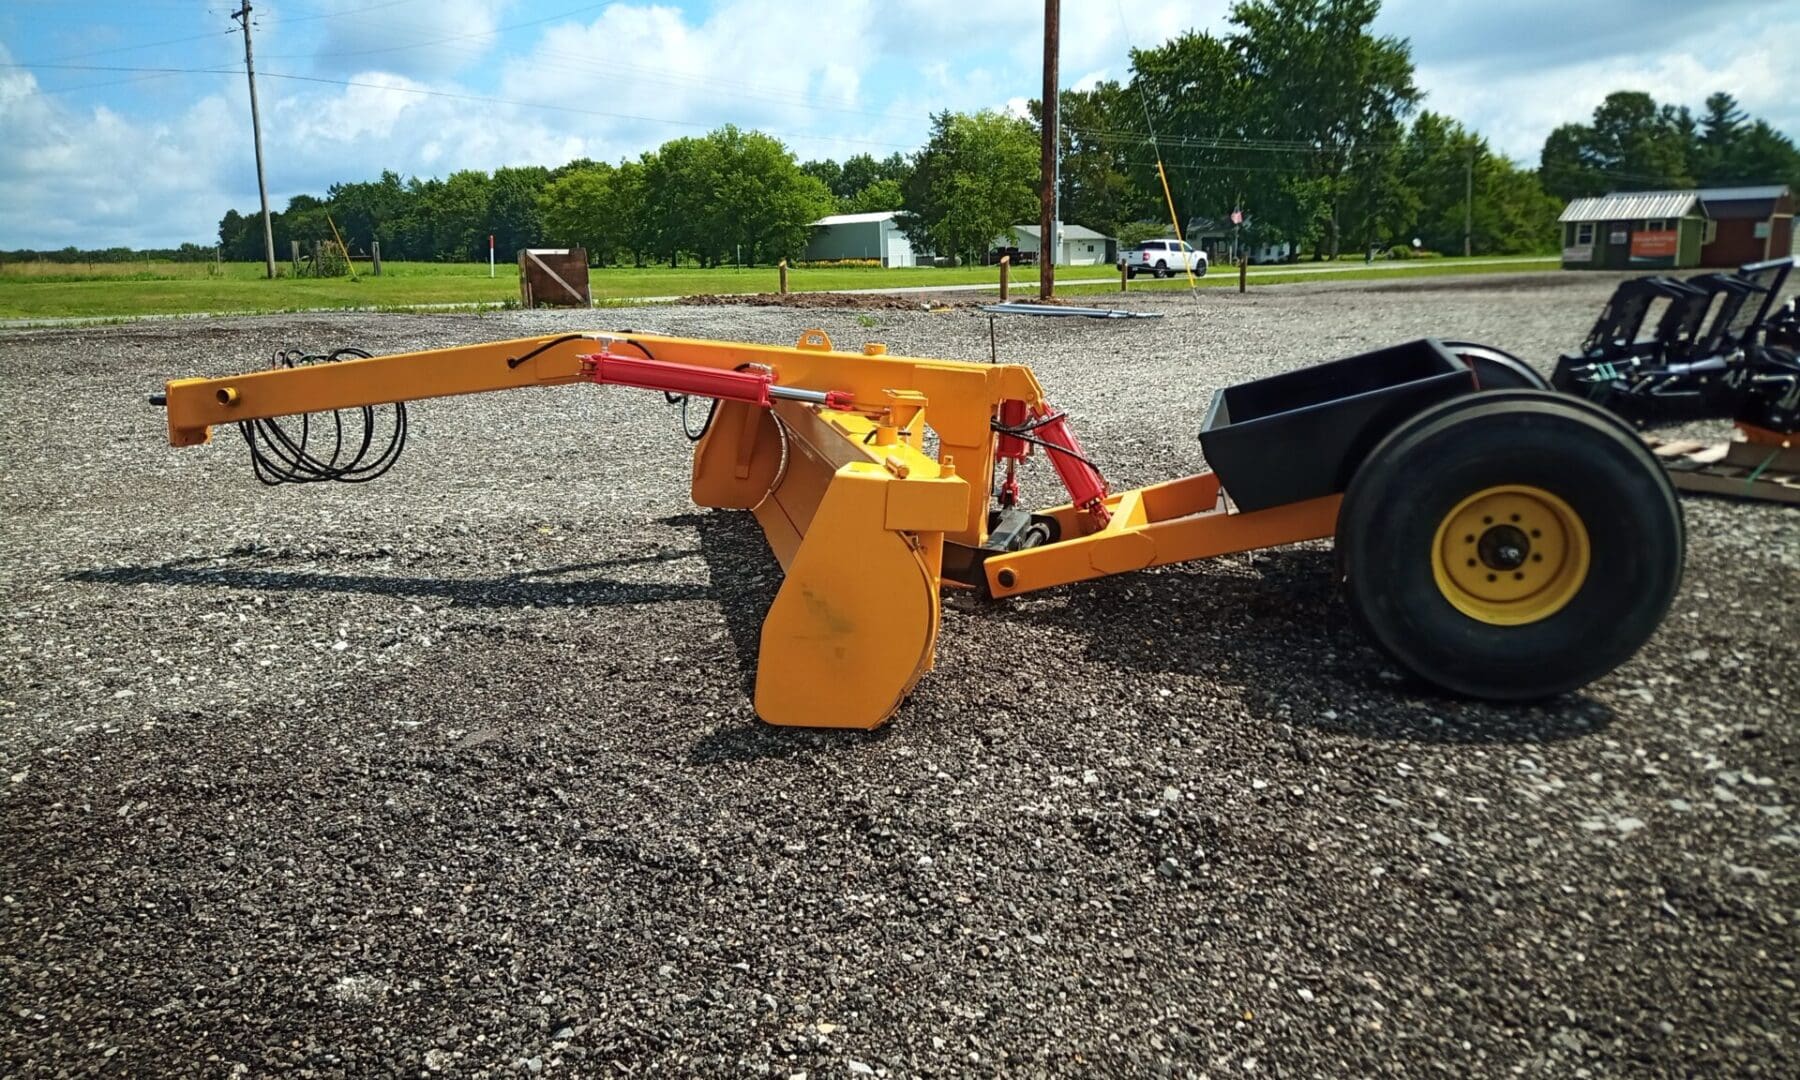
<point>860,236</point>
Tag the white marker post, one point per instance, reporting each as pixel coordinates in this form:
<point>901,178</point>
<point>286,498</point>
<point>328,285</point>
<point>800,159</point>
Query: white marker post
<point>490,254</point>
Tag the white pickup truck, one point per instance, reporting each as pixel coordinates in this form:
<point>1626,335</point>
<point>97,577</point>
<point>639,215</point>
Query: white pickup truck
<point>1164,258</point>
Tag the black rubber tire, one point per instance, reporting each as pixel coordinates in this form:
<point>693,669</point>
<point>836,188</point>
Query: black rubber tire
<point>1570,448</point>
<point>1162,269</point>
<point>1497,369</point>
<point>1131,272</point>
<point>1201,271</point>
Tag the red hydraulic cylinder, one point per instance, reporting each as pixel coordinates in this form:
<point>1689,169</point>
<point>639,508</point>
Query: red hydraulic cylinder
<point>1011,449</point>
<point>1013,414</point>
<point>1087,488</point>
<point>752,387</point>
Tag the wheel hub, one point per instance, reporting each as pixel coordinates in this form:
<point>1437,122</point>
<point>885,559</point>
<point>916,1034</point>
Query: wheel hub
<point>1503,547</point>
<point>1510,555</point>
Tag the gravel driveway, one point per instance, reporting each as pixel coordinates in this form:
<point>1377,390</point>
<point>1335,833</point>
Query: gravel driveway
<point>456,773</point>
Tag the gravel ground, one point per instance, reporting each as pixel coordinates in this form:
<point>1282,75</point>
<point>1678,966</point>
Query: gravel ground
<point>456,773</point>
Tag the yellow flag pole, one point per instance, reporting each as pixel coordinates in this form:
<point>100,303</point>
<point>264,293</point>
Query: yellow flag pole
<point>1180,237</point>
<point>352,266</point>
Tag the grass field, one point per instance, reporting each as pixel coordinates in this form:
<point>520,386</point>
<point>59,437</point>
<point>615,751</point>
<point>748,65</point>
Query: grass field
<point>121,290</point>
<point>1226,276</point>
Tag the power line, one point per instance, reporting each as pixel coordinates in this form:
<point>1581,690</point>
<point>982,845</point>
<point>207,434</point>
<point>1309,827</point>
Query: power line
<point>544,59</point>
<point>454,96</point>
<point>1189,142</point>
<point>209,35</point>
<point>284,20</point>
<point>1207,142</point>
<point>437,41</point>
<point>100,85</point>
<point>132,48</point>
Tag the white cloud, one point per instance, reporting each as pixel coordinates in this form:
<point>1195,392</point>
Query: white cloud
<point>94,177</point>
<point>790,68</point>
<point>1516,106</point>
<point>434,38</point>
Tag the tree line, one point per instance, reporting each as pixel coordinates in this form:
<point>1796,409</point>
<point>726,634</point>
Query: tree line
<point>1634,143</point>
<point>1298,115</point>
<point>193,253</point>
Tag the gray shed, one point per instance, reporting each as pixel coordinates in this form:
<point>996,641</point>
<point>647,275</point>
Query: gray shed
<point>860,236</point>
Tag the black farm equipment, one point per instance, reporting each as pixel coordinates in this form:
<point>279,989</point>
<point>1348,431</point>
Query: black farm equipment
<point>1667,351</point>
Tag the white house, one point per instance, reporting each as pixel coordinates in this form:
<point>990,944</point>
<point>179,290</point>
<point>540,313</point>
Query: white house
<point>1081,246</point>
<point>860,236</point>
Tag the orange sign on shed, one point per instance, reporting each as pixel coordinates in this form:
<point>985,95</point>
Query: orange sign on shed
<point>1660,244</point>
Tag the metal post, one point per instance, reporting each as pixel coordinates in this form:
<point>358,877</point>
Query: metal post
<point>1469,201</point>
<point>242,15</point>
<point>1047,164</point>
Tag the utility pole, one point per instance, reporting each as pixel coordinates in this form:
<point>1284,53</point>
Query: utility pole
<point>1469,201</point>
<point>1047,165</point>
<point>242,15</point>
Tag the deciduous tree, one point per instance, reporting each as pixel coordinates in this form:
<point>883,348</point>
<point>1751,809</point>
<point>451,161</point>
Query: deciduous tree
<point>975,178</point>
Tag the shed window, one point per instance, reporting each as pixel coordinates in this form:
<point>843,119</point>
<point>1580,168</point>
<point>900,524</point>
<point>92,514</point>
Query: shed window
<point>1655,225</point>
<point>1712,231</point>
<point>1584,233</point>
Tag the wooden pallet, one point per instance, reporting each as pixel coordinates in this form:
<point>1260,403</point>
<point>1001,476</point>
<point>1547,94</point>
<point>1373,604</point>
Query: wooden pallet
<point>1738,469</point>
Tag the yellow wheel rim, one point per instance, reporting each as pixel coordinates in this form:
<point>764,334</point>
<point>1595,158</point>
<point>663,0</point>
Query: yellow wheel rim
<point>1510,555</point>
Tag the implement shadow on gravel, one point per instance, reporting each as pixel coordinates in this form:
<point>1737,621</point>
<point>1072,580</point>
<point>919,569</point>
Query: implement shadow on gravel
<point>1282,636</point>
<point>532,588</point>
<point>745,579</point>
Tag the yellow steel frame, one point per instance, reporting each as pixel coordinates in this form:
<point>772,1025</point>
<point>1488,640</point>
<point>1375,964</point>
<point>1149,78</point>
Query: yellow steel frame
<point>854,509</point>
<point>963,395</point>
<point>1178,521</point>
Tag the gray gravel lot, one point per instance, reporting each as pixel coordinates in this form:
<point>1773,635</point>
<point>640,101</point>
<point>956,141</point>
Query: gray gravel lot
<point>456,773</point>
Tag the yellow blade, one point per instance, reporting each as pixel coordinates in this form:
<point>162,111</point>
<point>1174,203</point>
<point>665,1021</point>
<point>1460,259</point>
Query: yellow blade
<point>856,619</point>
<point>738,459</point>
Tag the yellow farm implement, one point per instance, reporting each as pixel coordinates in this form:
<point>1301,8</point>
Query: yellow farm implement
<point>1507,544</point>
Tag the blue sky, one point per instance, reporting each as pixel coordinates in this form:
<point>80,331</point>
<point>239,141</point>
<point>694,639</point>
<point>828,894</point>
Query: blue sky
<point>97,157</point>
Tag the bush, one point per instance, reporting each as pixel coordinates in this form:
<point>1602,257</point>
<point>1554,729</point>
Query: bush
<point>326,260</point>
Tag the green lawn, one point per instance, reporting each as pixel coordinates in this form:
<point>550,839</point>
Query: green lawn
<point>46,291</point>
<point>49,291</point>
<point>1226,276</point>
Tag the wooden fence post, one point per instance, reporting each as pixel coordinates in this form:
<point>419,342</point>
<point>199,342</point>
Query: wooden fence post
<point>782,266</point>
<point>1124,276</point>
<point>1005,277</point>
<point>375,257</point>
<point>1243,272</point>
